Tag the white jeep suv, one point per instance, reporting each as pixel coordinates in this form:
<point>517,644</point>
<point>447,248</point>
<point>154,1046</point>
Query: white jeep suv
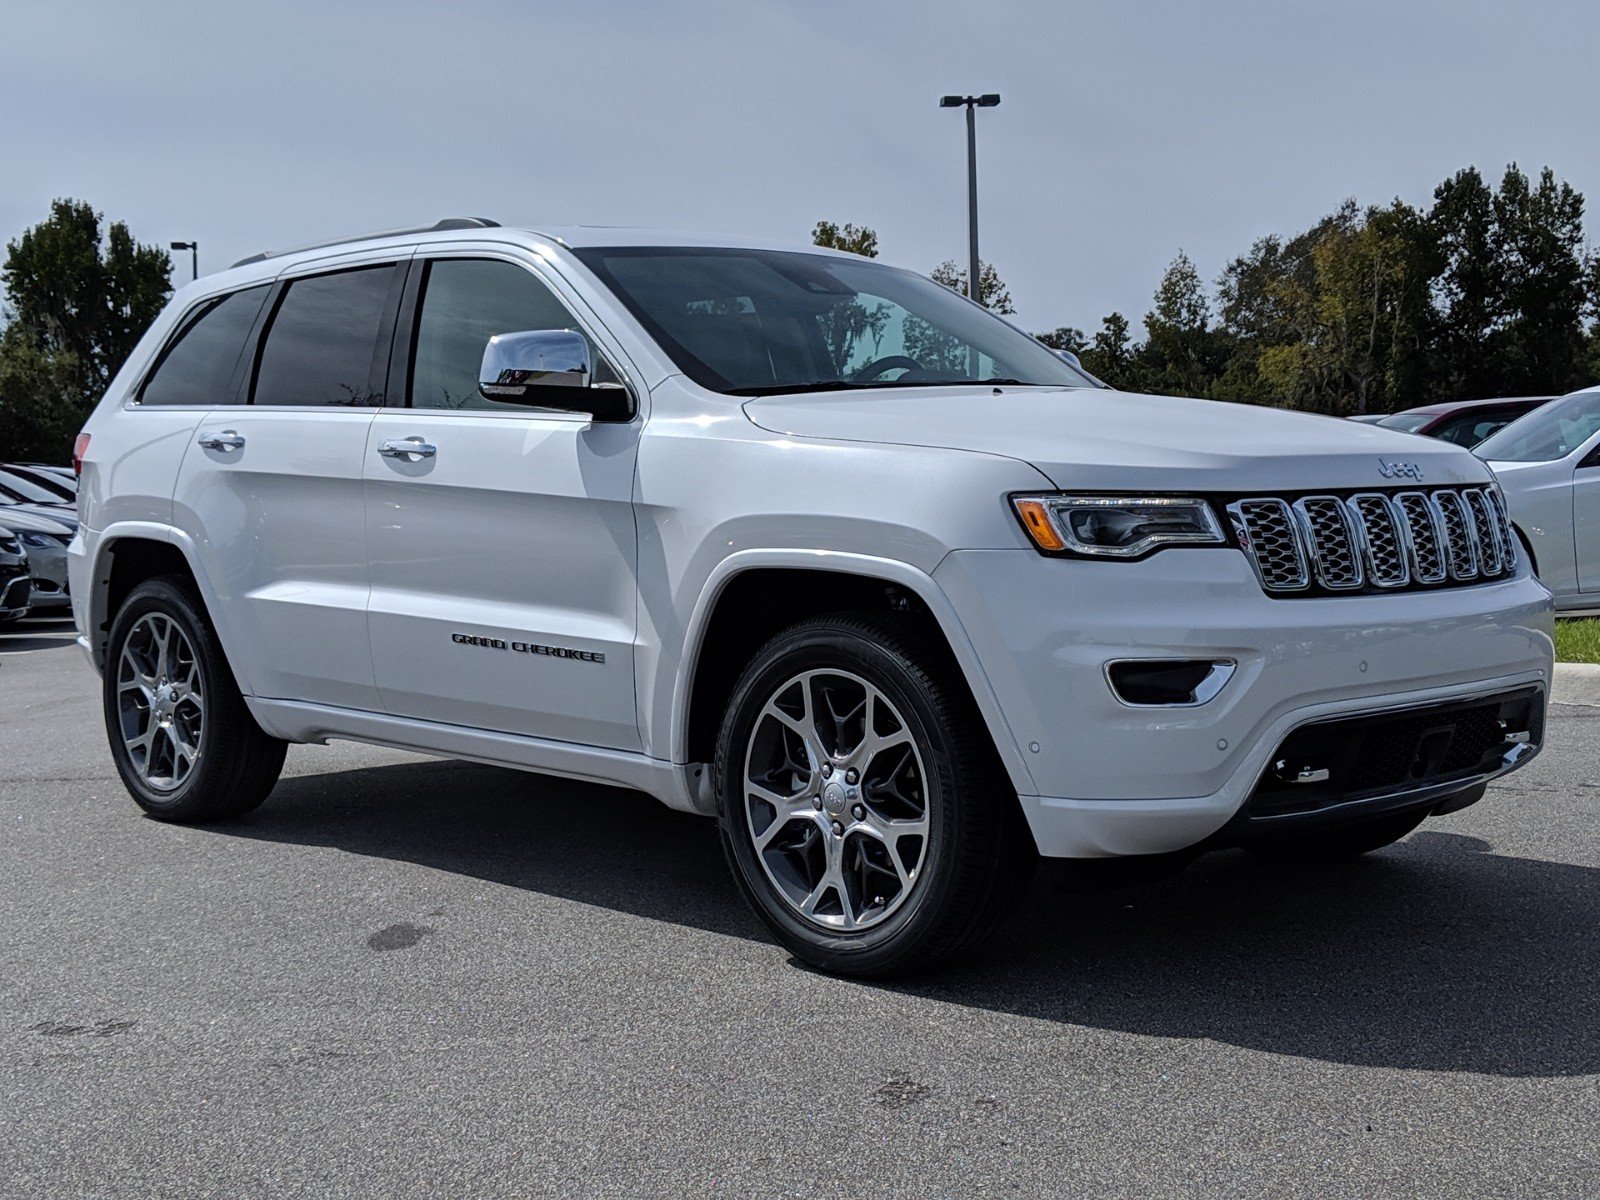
<point>793,538</point>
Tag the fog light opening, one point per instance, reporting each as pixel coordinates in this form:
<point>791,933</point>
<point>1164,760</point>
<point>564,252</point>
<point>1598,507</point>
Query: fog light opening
<point>1168,682</point>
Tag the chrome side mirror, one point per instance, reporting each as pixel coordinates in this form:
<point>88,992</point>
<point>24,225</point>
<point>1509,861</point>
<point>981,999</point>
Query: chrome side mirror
<point>516,363</point>
<point>548,368</point>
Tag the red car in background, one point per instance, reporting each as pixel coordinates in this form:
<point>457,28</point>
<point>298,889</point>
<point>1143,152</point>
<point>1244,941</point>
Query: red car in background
<point>1464,422</point>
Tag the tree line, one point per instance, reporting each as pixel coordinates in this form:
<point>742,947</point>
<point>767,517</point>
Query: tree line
<point>1487,292</point>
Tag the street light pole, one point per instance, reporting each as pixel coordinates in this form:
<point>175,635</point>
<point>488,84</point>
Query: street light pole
<point>194,257</point>
<point>972,104</point>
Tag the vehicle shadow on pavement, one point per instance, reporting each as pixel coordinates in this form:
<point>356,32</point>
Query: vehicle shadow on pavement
<point>1435,954</point>
<point>37,633</point>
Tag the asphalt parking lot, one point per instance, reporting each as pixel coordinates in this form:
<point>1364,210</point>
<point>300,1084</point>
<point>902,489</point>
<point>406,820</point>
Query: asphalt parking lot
<point>406,977</point>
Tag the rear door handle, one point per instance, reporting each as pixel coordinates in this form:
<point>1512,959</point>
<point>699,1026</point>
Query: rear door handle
<point>226,440</point>
<point>411,449</point>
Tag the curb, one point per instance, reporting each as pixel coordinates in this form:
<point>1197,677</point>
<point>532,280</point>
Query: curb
<point>1576,683</point>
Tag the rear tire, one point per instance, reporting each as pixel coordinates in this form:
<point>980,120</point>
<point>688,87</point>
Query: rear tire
<point>1334,845</point>
<point>863,810</point>
<point>184,743</point>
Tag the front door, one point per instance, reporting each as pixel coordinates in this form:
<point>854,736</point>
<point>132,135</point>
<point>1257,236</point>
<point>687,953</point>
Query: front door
<point>502,548</point>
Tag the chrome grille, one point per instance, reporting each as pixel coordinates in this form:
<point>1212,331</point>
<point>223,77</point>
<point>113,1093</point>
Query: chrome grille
<point>1328,530</point>
<point>1422,533</point>
<point>1374,541</point>
<point>1490,554</point>
<point>1383,543</point>
<point>1266,529</point>
<point>1461,545</point>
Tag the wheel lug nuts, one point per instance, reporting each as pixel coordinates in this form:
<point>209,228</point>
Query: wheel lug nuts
<point>837,829</point>
<point>859,812</point>
<point>816,802</point>
<point>851,775</point>
<point>827,769</point>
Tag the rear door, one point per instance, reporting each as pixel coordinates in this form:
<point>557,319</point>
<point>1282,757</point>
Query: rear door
<point>271,489</point>
<point>503,553</point>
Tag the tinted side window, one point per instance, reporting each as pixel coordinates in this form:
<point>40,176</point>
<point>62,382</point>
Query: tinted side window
<point>465,302</point>
<point>197,366</point>
<point>323,339</point>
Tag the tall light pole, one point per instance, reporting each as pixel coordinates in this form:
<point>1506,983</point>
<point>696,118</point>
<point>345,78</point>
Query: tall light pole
<point>194,256</point>
<point>972,104</point>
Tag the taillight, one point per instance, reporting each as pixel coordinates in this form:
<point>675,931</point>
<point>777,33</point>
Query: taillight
<point>79,449</point>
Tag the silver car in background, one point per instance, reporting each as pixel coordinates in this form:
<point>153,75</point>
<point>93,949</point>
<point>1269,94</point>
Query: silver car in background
<point>44,533</point>
<point>1548,464</point>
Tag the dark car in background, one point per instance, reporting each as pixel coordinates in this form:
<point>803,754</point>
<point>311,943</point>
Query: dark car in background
<point>57,481</point>
<point>1464,422</point>
<point>15,583</point>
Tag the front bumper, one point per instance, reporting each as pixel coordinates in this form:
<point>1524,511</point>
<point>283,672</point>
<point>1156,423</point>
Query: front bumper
<point>49,568</point>
<point>1108,779</point>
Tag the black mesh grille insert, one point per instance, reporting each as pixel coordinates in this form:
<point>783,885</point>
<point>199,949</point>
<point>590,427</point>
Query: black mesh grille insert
<point>1387,754</point>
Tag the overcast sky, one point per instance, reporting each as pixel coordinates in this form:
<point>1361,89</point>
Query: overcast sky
<point>1127,130</point>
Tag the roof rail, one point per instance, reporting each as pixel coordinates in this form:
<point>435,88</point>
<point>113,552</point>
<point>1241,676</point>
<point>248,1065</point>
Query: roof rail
<point>437,227</point>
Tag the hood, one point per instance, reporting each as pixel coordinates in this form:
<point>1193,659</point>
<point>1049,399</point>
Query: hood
<point>1085,438</point>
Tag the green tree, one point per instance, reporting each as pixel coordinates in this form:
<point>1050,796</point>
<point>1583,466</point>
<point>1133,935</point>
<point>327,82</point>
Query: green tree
<point>856,239</point>
<point>40,406</point>
<point>992,293</point>
<point>1180,353</point>
<point>1065,337</point>
<point>1469,292</point>
<point>1374,272</point>
<point>1337,319</point>
<point>1539,234</point>
<point>1109,355</point>
<point>78,303</point>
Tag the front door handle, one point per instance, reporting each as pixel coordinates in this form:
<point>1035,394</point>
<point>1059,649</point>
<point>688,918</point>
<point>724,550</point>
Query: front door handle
<point>226,440</point>
<point>412,449</point>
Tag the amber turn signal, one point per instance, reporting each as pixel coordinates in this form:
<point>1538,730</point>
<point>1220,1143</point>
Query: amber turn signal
<point>1036,520</point>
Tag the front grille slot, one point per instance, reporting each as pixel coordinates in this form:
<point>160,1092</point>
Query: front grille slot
<point>1266,528</point>
<point>1328,531</point>
<point>1461,549</point>
<point>1373,541</point>
<point>1383,544</point>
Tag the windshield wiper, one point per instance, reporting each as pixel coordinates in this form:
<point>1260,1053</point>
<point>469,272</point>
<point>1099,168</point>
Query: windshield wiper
<point>851,385</point>
<point>784,389</point>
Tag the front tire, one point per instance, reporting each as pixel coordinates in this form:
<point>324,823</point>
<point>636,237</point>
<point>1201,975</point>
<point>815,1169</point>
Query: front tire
<point>184,743</point>
<point>864,812</point>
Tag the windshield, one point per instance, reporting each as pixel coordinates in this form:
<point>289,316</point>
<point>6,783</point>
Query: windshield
<point>24,489</point>
<point>1548,433</point>
<point>760,322</point>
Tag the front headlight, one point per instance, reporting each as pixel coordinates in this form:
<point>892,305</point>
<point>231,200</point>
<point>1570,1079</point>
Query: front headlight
<point>1117,526</point>
<point>31,537</point>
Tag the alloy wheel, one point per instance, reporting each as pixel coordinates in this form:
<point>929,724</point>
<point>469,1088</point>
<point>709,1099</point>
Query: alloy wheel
<point>160,702</point>
<point>836,800</point>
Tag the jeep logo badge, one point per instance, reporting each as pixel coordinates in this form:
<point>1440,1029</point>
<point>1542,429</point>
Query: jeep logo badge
<point>1399,470</point>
